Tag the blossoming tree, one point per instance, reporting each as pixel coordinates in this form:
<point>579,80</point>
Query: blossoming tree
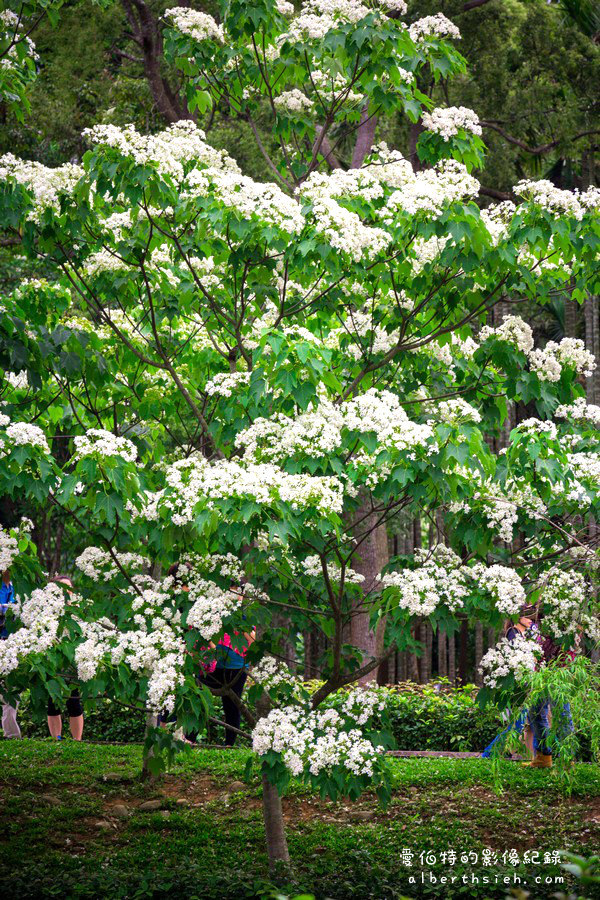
<point>256,378</point>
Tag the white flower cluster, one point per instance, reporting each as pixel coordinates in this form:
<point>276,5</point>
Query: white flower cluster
<point>293,101</point>
<point>516,658</point>
<point>17,380</point>
<point>346,231</point>
<point>497,219</point>
<point>98,442</point>
<point>514,331</point>
<point>564,597</point>
<point>319,431</point>
<point>250,199</point>
<point>312,567</point>
<point>312,742</point>
<point>224,564</point>
<point>501,504</point>
<point>548,362</point>
<point>284,8</point>
<point>579,411</point>
<point>455,411</point>
<point>225,384</point>
<point>9,543</point>
<point>9,549</point>
<point>154,646</point>
<point>439,579</point>
<point>46,185</point>
<point>431,190</point>
<point>21,434</point>
<point>272,673</point>
<point>556,201</point>
<point>172,151</point>
<point>41,614</point>
<point>503,584</point>
<point>338,10</point>
<point>450,121</point>
<point>100,565</point>
<point>210,605</point>
<point>362,704</point>
<point>197,25</point>
<point>437,26</point>
<point>195,481</point>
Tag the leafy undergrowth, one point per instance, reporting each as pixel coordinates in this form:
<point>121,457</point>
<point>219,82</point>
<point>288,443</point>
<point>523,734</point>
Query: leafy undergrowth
<point>73,825</point>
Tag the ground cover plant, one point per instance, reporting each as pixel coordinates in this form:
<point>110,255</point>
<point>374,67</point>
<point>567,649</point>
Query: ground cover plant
<point>73,825</point>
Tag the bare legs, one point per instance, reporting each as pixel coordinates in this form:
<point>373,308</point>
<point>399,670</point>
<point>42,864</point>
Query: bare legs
<point>75,724</point>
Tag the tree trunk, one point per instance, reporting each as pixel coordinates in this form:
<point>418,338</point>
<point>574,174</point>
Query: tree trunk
<point>371,556</point>
<point>442,654</point>
<point>427,639</point>
<point>151,722</point>
<point>288,648</point>
<point>413,668</point>
<point>571,317</point>
<point>277,848</point>
<point>478,651</point>
<point>402,666</point>
<point>462,664</point>
<point>592,343</point>
<point>452,658</point>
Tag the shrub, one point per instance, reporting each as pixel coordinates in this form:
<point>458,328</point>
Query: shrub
<point>423,717</point>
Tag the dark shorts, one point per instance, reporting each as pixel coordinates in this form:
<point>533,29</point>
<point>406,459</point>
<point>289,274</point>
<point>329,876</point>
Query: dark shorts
<point>74,706</point>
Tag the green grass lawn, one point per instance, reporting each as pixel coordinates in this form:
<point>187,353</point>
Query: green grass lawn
<point>72,827</point>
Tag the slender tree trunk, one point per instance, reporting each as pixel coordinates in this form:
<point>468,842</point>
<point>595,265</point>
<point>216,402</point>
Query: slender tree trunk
<point>288,649</point>
<point>452,658</point>
<point>277,848</point>
<point>442,654</point>
<point>383,672</point>
<point>462,664</point>
<point>592,343</point>
<point>478,651</point>
<point>151,722</point>
<point>427,639</point>
<point>402,668</point>
<point>413,668</point>
<point>309,665</point>
<point>572,317</point>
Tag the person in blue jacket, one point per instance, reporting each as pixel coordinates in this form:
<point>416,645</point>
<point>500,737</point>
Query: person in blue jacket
<point>10,726</point>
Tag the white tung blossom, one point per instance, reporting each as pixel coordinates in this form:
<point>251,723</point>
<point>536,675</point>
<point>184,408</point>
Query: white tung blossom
<point>197,25</point>
<point>437,26</point>
<point>293,101</point>
<point>312,742</point>
<point>99,442</point>
<point>516,658</point>
<point>450,121</point>
<point>41,614</point>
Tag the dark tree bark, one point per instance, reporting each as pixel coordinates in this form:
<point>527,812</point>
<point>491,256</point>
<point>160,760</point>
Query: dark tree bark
<point>452,658</point>
<point>145,32</point>
<point>462,663</point>
<point>572,317</point>
<point>478,651</point>
<point>442,653</point>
